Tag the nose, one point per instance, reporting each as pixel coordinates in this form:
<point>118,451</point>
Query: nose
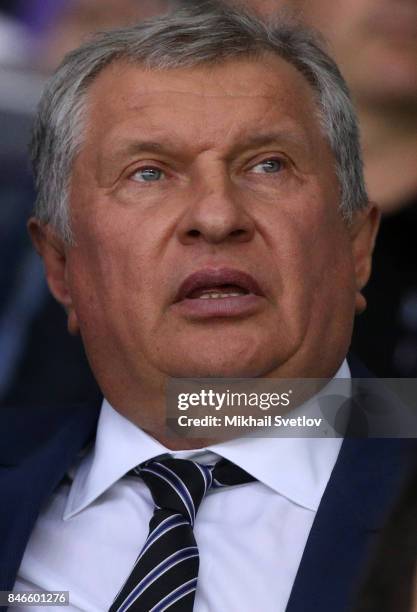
<point>216,214</point>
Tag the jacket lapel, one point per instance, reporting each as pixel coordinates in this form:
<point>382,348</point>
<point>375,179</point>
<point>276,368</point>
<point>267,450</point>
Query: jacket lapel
<point>366,479</point>
<point>38,447</point>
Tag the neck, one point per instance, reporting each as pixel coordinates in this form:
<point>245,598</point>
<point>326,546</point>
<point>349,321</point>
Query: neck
<point>389,138</point>
<point>176,443</point>
<point>154,420</point>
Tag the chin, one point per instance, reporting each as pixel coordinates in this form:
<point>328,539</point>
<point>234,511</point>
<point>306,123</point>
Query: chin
<point>224,355</point>
<point>228,371</point>
<point>223,366</point>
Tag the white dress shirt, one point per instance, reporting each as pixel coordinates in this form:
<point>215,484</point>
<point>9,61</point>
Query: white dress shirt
<point>250,537</point>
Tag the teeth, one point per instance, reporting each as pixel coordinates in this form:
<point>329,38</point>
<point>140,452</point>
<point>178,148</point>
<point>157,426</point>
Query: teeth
<point>215,296</point>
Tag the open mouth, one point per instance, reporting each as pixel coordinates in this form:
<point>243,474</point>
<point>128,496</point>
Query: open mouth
<point>215,284</point>
<point>218,292</point>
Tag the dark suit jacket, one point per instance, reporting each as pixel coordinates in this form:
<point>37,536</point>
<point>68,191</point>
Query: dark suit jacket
<point>38,445</point>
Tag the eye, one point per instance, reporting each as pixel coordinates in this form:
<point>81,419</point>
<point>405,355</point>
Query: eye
<point>268,166</point>
<point>148,174</point>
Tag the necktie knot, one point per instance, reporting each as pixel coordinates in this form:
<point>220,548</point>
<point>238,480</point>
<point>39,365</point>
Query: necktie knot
<point>179,485</point>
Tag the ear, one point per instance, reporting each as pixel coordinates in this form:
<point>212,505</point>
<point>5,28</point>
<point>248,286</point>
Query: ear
<point>53,251</point>
<point>363,231</point>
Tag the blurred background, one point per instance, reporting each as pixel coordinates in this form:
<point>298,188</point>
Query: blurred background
<point>375,44</point>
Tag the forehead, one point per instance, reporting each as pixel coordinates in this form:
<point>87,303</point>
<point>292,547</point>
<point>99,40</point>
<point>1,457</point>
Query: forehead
<point>205,105</point>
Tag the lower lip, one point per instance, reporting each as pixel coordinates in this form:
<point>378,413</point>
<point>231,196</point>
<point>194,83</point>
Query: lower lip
<point>238,306</point>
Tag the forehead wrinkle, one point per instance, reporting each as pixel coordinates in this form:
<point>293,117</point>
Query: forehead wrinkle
<point>152,141</point>
<point>206,85</point>
<point>150,138</point>
<point>135,146</point>
<point>293,136</point>
<point>211,96</point>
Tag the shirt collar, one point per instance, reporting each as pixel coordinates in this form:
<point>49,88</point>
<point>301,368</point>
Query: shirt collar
<point>297,468</point>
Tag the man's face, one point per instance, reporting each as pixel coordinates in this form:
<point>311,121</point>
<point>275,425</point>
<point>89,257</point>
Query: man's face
<point>204,205</point>
<point>375,44</point>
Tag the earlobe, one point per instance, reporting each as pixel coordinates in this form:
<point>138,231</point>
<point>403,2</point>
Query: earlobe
<point>73,326</point>
<point>364,230</point>
<point>53,251</point>
<point>360,302</point>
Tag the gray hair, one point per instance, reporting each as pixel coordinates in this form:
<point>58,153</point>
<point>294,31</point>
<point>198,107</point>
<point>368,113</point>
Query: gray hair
<point>205,34</point>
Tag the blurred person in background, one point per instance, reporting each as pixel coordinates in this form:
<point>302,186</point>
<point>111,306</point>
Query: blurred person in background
<point>375,44</point>
<point>76,20</point>
<point>39,360</point>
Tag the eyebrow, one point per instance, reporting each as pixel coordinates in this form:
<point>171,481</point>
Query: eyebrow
<point>130,148</point>
<point>262,139</point>
<point>293,138</point>
<point>243,142</point>
<point>147,145</point>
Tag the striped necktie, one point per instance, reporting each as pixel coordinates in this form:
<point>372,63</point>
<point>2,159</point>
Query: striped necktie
<point>164,576</point>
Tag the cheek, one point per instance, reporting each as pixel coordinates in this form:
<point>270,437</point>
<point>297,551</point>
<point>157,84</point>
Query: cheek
<point>313,255</point>
<point>111,275</point>
<point>118,265</point>
<point>333,283</point>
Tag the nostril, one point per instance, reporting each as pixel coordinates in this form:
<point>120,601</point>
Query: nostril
<point>193,233</point>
